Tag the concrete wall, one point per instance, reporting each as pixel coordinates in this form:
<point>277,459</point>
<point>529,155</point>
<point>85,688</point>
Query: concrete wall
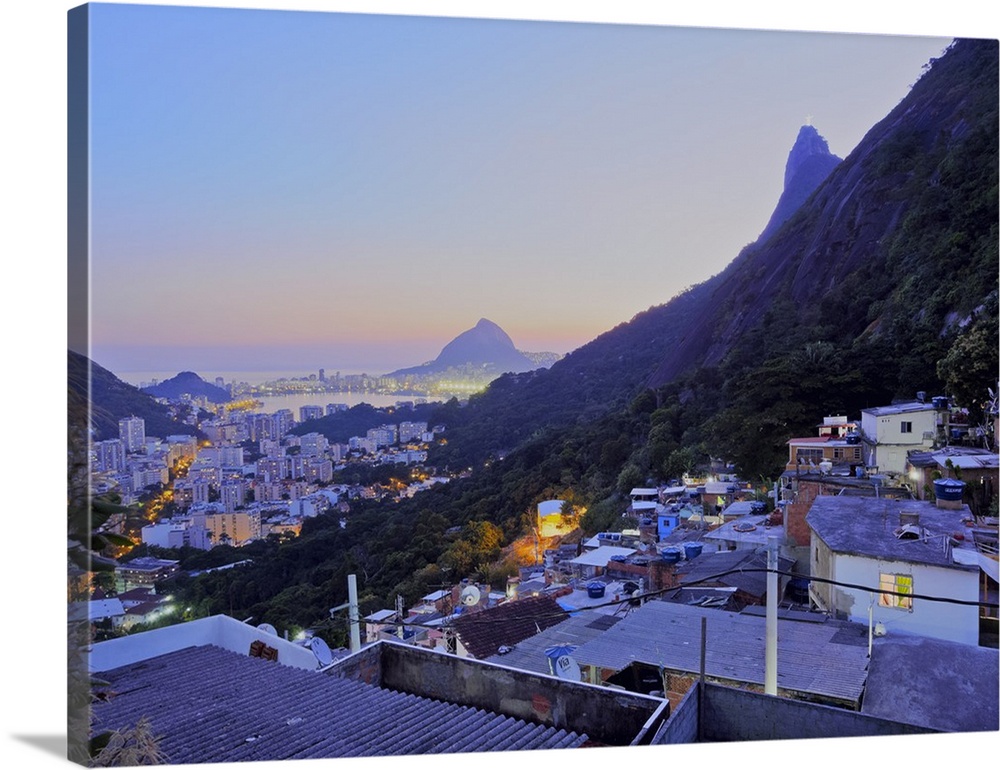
<point>364,666</point>
<point>682,727</point>
<point>738,715</point>
<point>938,620</point>
<point>608,716</point>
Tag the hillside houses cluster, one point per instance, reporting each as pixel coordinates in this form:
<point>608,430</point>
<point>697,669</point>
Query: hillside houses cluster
<point>865,554</point>
<point>877,556</point>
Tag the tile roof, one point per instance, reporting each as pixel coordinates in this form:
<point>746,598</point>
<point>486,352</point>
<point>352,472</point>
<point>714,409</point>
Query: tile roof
<point>482,633</point>
<point>827,659</point>
<point>212,705</point>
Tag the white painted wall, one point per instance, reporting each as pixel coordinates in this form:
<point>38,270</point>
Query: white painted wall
<point>220,630</point>
<point>938,620</point>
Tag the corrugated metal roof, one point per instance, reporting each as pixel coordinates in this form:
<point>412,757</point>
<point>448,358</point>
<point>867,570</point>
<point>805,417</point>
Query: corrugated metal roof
<point>827,659</point>
<point>599,557</point>
<point>934,683</point>
<point>529,654</point>
<point>212,705</point>
<point>706,569</point>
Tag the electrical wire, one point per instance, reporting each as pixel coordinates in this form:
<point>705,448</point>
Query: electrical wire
<point>483,617</point>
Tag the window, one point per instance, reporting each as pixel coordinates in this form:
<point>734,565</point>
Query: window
<point>900,584</point>
<point>906,427</point>
<point>808,455</point>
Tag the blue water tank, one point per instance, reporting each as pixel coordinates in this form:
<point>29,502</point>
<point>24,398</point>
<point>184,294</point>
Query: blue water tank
<point>595,590</point>
<point>940,402</point>
<point>949,489</point>
<point>691,550</point>
<point>671,555</point>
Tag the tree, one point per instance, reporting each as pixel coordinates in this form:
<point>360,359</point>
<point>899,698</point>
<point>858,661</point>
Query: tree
<point>970,367</point>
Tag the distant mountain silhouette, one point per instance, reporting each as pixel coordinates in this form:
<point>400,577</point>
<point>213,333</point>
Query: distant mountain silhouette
<point>485,346</point>
<point>109,400</point>
<point>188,383</point>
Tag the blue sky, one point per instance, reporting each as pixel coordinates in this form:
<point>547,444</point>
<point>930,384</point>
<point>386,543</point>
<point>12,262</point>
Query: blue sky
<point>274,189</point>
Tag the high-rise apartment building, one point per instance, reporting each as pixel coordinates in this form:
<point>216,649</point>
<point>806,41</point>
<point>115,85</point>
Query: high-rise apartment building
<point>110,455</point>
<point>132,432</point>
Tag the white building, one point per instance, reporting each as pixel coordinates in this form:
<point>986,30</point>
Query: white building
<point>313,444</point>
<point>886,555</point>
<point>409,431</point>
<point>110,455</point>
<point>164,534</point>
<point>132,432</point>
<point>310,412</point>
<point>233,495</point>
<point>889,432</point>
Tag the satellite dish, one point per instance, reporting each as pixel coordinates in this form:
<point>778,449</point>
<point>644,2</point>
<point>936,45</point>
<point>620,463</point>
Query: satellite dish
<point>267,628</point>
<point>567,668</point>
<point>321,651</point>
<point>470,596</point>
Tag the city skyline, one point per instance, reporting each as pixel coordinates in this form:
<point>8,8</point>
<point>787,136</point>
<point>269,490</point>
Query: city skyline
<point>284,190</point>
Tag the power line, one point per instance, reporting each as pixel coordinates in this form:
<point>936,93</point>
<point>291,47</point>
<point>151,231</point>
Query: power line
<point>483,617</point>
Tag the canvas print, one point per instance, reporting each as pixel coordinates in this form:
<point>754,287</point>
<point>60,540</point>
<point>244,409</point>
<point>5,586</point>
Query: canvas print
<point>448,385</point>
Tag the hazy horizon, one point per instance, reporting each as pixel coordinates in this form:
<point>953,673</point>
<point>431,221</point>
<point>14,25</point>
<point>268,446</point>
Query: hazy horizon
<point>280,189</point>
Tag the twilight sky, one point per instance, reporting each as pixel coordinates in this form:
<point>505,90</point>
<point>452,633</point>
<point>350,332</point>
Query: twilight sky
<point>283,190</point>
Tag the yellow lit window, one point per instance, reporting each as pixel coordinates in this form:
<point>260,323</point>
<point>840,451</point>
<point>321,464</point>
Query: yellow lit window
<point>902,585</point>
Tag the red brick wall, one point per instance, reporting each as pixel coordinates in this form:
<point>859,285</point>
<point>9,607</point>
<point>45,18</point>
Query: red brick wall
<point>797,528</point>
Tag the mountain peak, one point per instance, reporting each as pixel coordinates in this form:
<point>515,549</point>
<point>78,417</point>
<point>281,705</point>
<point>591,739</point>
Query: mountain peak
<point>809,164</point>
<point>808,144</point>
<point>484,345</point>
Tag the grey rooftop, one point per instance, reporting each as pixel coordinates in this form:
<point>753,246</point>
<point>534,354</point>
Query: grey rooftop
<point>213,705</point>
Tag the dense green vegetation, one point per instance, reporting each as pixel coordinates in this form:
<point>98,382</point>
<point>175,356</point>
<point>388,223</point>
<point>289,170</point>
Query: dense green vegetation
<point>111,400</point>
<point>359,419</point>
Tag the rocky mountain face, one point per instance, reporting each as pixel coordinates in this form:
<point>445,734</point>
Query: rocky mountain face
<point>485,346</point>
<point>885,256</point>
<point>889,212</point>
<point>809,164</point>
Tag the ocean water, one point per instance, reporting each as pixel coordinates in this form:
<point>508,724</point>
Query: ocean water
<point>140,378</point>
<point>292,401</point>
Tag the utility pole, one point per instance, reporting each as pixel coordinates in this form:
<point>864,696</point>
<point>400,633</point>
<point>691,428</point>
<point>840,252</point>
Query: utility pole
<point>771,624</point>
<point>352,612</point>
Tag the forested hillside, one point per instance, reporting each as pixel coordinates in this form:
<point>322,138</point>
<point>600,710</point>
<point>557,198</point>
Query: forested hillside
<point>112,400</point>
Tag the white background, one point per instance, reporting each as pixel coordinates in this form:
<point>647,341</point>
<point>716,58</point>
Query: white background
<point>34,290</point>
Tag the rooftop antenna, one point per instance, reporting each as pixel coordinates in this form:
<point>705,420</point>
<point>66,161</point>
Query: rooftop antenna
<point>470,596</point>
<point>322,651</point>
<point>267,628</point>
<point>562,664</point>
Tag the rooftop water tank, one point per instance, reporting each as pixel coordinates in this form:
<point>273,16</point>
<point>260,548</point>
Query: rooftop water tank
<point>595,590</point>
<point>671,555</point>
<point>949,489</point>
<point>691,550</point>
